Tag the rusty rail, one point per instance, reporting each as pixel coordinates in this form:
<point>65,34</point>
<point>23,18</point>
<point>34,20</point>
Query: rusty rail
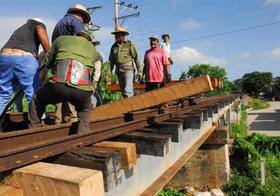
<point>23,147</point>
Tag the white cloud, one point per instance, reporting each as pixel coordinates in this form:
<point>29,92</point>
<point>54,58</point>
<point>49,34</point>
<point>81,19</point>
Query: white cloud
<point>272,1</point>
<point>245,55</point>
<point>191,56</point>
<point>274,53</point>
<point>190,24</point>
<point>10,24</point>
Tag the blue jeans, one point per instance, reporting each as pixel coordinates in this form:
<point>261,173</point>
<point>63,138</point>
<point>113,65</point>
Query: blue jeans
<point>21,69</point>
<point>126,83</point>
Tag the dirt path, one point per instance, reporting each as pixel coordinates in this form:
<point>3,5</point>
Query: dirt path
<point>265,121</point>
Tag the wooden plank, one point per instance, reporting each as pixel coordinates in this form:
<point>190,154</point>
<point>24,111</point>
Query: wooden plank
<point>127,150</point>
<point>148,99</point>
<point>137,86</point>
<point>6,190</point>
<point>97,158</point>
<point>46,179</point>
<point>192,120</point>
<point>148,143</point>
<point>175,129</point>
<point>147,130</point>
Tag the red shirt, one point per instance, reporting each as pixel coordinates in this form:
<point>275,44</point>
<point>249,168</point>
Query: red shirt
<point>154,61</point>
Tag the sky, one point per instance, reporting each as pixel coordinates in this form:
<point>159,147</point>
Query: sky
<point>241,36</point>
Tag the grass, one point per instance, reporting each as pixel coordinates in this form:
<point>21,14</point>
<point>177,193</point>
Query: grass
<point>248,151</point>
<point>168,191</point>
<point>257,104</point>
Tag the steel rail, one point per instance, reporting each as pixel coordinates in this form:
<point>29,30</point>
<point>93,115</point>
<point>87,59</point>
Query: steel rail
<point>31,151</point>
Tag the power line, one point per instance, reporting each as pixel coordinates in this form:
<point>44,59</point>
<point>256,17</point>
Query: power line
<point>224,33</point>
<point>228,32</point>
<point>214,17</point>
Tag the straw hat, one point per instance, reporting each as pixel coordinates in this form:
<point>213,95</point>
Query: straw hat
<point>95,42</point>
<point>81,9</point>
<point>154,37</point>
<point>120,29</point>
<point>165,34</point>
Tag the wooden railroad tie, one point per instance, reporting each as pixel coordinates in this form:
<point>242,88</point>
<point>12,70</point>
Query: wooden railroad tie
<point>56,180</point>
<point>127,150</point>
<point>106,160</point>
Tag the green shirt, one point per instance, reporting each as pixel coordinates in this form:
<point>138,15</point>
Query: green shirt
<point>72,47</point>
<point>123,53</point>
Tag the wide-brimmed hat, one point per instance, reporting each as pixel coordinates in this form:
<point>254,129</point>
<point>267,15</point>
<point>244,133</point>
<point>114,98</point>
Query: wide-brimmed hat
<point>95,42</point>
<point>154,37</point>
<point>165,34</point>
<point>81,9</point>
<point>87,34</point>
<point>120,29</point>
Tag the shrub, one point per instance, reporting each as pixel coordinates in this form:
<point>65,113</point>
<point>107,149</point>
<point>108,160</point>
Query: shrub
<point>248,151</point>
<point>170,192</point>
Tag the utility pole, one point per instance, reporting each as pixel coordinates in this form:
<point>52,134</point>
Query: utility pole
<point>116,13</point>
<point>124,6</point>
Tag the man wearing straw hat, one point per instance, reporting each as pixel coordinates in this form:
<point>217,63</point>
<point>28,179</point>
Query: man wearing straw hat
<point>73,22</point>
<point>165,44</point>
<point>123,54</point>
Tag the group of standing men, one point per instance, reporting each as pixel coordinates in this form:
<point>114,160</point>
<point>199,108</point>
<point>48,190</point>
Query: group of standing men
<point>157,60</point>
<point>74,65</point>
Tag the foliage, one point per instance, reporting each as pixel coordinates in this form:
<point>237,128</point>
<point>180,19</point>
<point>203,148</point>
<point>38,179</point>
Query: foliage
<point>259,104</point>
<point>206,69</point>
<point>248,151</point>
<point>256,82</point>
<point>276,83</point>
<point>107,96</point>
<point>213,72</point>
<point>240,130</point>
<point>183,75</point>
<point>170,192</point>
<point>265,144</point>
<point>237,85</point>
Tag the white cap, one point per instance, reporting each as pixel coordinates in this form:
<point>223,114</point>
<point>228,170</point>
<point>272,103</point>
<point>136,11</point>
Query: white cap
<point>37,19</point>
<point>154,37</point>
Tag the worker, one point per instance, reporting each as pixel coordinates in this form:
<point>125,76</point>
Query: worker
<point>123,54</point>
<point>71,60</point>
<point>155,65</point>
<point>165,45</point>
<point>18,63</point>
<point>96,98</point>
<point>71,24</point>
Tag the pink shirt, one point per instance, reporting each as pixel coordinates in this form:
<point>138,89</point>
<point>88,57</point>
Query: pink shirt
<point>154,61</point>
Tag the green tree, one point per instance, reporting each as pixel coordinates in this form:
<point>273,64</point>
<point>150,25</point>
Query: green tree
<point>237,85</point>
<point>206,69</point>
<point>213,72</point>
<point>256,82</point>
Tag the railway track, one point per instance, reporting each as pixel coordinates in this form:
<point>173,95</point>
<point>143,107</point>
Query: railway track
<point>27,146</point>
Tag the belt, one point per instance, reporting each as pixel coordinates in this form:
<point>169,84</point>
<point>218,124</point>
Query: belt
<point>15,52</point>
<point>127,64</point>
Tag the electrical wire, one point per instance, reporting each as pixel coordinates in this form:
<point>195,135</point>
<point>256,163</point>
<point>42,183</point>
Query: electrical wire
<point>228,32</point>
<point>214,17</point>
